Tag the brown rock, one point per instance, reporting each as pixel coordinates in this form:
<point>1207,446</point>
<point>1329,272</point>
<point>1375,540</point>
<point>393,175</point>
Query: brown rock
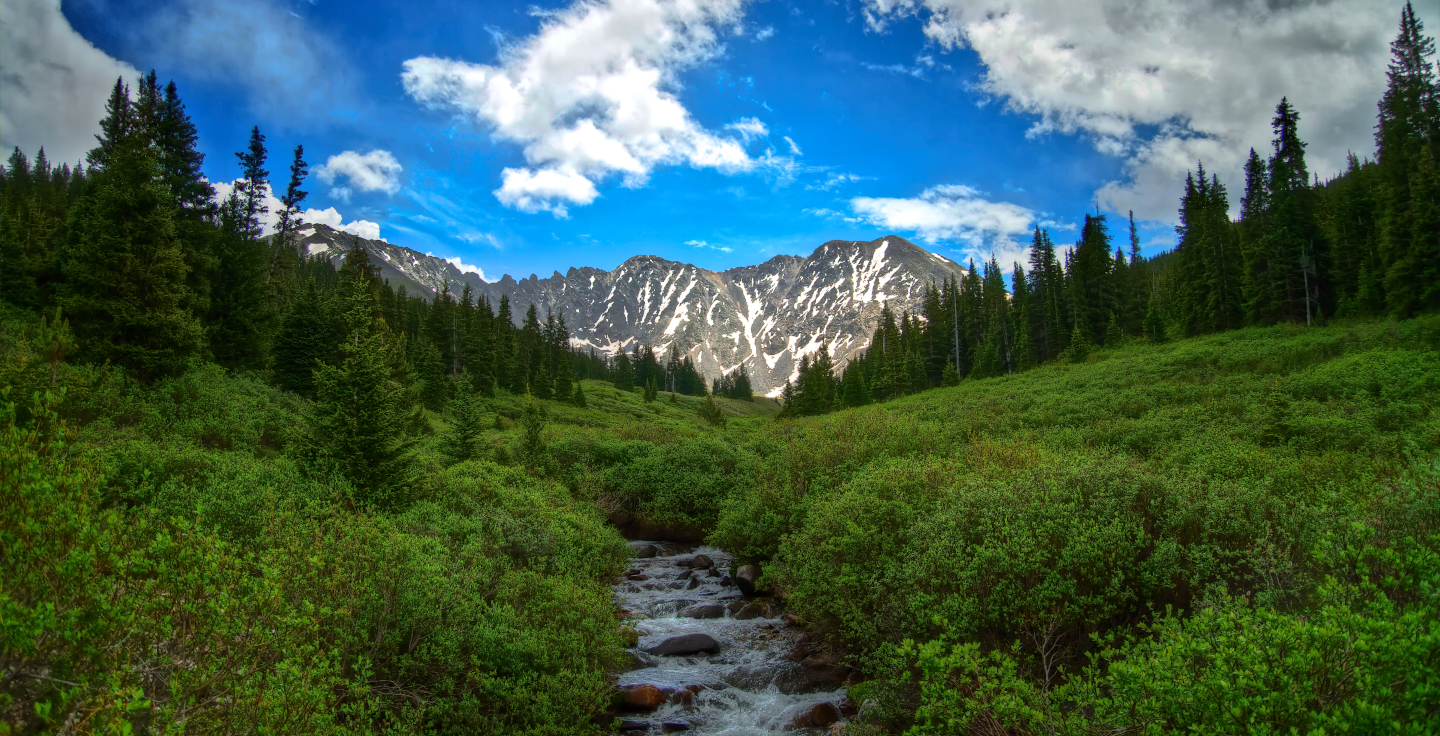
<point>700,562</point>
<point>694,583</point>
<point>820,715</point>
<point>751,610</point>
<point>644,697</point>
<point>734,607</point>
<point>745,578</point>
<point>645,550</point>
<point>826,667</point>
<point>638,576</point>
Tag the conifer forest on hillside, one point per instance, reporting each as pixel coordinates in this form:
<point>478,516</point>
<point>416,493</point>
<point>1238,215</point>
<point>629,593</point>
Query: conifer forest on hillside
<point>245,491</point>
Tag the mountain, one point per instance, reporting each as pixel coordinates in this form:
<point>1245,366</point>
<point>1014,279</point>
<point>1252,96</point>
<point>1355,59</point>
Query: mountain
<point>765,316</point>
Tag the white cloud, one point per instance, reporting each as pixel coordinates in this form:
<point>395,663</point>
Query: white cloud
<point>55,82</point>
<point>589,96</point>
<point>703,244</point>
<point>467,268</point>
<point>764,33</point>
<point>270,221</point>
<point>475,238</point>
<point>953,212</point>
<point>749,128</point>
<point>793,148</point>
<point>376,171</point>
<point>835,180</point>
<point>1163,84</point>
<point>288,69</point>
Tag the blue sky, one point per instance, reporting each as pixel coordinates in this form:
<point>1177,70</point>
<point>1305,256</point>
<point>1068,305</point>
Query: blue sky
<point>526,138</point>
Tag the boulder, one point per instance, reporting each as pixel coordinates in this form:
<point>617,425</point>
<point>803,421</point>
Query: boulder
<point>751,610</point>
<point>694,583</point>
<point>819,715</point>
<point>643,697</point>
<point>734,606</point>
<point>675,726</point>
<point>703,610</point>
<point>700,562</point>
<point>826,667</point>
<point>745,578</point>
<point>646,550</point>
<point>727,581</point>
<point>684,644</point>
<point>638,576</point>
<point>712,572</point>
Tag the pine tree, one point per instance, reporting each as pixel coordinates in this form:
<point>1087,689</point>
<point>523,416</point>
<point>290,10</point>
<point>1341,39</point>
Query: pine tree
<point>710,412</point>
<point>467,425</point>
<point>533,452</point>
<point>125,271</point>
<point>307,338</point>
<point>254,186</point>
<point>578,397</point>
<point>1112,332</point>
<point>1408,132</point>
<point>950,376</point>
<point>359,426</point>
<point>1079,348</point>
<point>652,390</point>
<point>624,373</point>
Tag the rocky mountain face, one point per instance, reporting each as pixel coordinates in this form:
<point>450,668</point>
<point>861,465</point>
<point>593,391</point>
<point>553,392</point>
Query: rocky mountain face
<point>766,316</point>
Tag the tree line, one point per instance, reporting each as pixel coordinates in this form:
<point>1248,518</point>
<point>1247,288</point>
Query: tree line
<point>1365,243</point>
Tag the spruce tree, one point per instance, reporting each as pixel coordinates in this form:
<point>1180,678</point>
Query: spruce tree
<point>624,373</point>
<point>1079,347</point>
<point>950,376</point>
<point>125,271</point>
<point>467,425</point>
<point>360,424</point>
<point>533,452</point>
<point>578,397</point>
<point>307,338</point>
<point>710,412</point>
<point>1408,132</point>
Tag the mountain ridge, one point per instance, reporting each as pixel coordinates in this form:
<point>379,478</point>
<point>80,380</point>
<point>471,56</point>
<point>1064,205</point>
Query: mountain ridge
<point>766,316</point>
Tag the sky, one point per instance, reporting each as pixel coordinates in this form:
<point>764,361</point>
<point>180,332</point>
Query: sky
<point>527,138</point>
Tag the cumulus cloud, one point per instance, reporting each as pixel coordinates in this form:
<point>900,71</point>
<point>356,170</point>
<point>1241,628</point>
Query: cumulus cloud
<point>591,95</point>
<point>764,33</point>
<point>55,82</point>
<point>956,213</point>
<point>703,244</point>
<point>376,171</point>
<point>467,268</point>
<point>1164,85</point>
<point>270,221</point>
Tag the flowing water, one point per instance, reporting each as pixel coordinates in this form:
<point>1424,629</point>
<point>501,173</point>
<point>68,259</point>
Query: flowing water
<point>753,685</point>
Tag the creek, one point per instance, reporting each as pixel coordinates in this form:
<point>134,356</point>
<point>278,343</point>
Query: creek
<point>755,674</point>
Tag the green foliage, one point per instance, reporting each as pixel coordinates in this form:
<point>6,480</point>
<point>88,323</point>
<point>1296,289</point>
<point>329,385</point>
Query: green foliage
<point>711,413</point>
<point>532,449</point>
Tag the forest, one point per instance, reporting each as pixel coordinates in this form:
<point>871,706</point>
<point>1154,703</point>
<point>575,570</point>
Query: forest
<point>246,491</point>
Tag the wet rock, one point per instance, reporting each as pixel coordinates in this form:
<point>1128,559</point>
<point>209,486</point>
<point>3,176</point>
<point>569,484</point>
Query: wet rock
<point>727,581</point>
<point>675,726</point>
<point>799,653</point>
<point>749,611</point>
<point>712,572</point>
<point>632,726</point>
<point>734,607</point>
<point>645,551</point>
<point>703,610</point>
<point>684,575</point>
<point>684,561</point>
<point>694,583</point>
<point>700,562</point>
<point>826,667</point>
<point>638,576</point>
<point>684,644</point>
<point>820,715</point>
<point>849,709</point>
<point>745,578</point>
<point>643,697</point>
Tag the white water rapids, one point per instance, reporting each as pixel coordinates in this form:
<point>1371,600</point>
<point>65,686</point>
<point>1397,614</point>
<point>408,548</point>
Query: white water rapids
<point>748,688</point>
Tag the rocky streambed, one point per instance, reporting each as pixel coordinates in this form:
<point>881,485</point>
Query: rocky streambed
<point>711,658</point>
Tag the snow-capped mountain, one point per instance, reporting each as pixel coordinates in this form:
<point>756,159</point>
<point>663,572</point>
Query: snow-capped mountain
<point>766,316</point>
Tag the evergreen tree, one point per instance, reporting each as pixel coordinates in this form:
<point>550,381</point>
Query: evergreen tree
<point>950,376</point>
<point>125,271</point>
<point>1079,348</point>
<point>467,425</point>
<point>254,186</point>
<point>1407,135</point>
<point>307,338</point>
<point>710,412</point>
<point>533,452</point>
<point>624,372</point>
<point>578,397</point>
<point>361,417</point>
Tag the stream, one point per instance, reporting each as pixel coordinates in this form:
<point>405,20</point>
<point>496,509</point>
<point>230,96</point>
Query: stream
<point>711,661</point>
